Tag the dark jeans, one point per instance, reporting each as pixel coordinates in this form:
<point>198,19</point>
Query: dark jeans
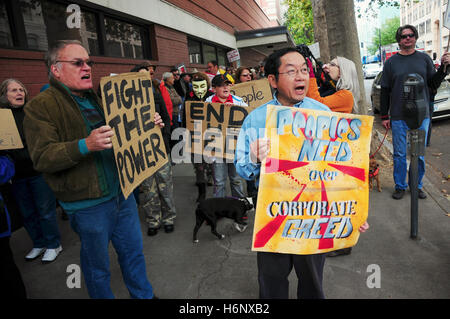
<point>274,269</point>
<point>37,203</point>
<point>11,283</point>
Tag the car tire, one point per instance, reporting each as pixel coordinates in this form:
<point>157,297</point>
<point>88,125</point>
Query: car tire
<point>374,109</point>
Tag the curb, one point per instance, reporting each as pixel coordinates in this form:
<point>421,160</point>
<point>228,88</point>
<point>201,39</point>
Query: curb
<point>434,193</point>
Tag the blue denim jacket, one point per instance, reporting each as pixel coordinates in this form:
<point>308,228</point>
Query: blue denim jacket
<point>253,129</point>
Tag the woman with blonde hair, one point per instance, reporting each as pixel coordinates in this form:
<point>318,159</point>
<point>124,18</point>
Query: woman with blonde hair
<point>343,72</point>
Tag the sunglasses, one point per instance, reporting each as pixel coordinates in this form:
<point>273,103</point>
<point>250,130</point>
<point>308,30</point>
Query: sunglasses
<point>247,74</point>
<point>410,35</point>
<point>79,63</point>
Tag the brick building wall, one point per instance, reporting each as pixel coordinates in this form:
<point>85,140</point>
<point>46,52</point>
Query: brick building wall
<point>170,46</point>
<point>229,15</point>
<point>29,67</point>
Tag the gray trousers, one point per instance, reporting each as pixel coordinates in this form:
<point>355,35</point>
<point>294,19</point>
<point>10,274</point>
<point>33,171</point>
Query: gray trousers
<point>158,202</point>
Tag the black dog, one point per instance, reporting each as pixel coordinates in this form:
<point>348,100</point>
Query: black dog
<point>212,209</point>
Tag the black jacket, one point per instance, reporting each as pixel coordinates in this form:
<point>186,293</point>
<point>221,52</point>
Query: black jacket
<point>21,156</point>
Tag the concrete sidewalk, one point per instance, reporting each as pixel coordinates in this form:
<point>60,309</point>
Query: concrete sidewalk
<point>226,268</point>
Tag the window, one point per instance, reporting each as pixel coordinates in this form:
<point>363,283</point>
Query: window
<point>46,21</point>
<point>209,53</point>
<point>222,56</point>
<point>123,39</point>
<point>201,53</point>
<point>421,28</point>
<point>39,23</point>
<point>5,31</point>
<point>428,26</point>
<point>195,55</point>
<point>33,41</point>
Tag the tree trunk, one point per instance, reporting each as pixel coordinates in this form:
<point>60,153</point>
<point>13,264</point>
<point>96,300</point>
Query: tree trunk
<point>335,30</point>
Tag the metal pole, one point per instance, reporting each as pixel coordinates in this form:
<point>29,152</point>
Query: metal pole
<point>417,142</point>
<point>413,180</point>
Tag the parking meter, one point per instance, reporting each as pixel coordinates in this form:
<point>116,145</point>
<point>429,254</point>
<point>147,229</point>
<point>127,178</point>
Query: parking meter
<point>415,109</point>
<point>414,104</point>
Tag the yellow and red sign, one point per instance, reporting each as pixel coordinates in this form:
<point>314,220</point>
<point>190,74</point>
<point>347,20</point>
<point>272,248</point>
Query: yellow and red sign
<point>313,192</point>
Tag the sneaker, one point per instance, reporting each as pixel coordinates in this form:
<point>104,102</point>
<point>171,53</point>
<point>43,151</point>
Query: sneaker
<point>422,194</point>
<point>34,253</point>
<point>51,254</point>
<point>152,231</point>
<point>398,194</point>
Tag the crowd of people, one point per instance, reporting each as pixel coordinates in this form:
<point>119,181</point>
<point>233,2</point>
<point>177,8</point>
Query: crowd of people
<point>70,163</point>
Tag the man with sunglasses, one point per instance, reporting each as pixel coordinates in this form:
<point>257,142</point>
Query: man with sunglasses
<point>407,61</point>
<point>70,143</point>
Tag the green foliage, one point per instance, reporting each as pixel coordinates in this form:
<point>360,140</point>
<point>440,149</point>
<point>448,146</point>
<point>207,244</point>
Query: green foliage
<point>373,5</point>
<point>388,30</point>
<point>299,21</point>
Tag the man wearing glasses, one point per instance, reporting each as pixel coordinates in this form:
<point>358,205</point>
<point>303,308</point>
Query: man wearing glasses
<point>407,61</point>
<point>70,143</point>
<point>288,74</point>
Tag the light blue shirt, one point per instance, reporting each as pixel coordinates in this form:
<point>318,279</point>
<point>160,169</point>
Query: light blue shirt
<point>253,128</point>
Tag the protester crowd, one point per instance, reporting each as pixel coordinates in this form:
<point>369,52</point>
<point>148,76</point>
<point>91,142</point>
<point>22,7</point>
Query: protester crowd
<point>69,166</point>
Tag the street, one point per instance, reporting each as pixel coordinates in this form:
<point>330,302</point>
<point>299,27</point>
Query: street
<point>384,264</point>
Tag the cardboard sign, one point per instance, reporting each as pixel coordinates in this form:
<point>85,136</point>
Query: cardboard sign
<point>315,49</point>
<point>233,55</point>
<point>138,145</point>
<point>254,93</point>
<point>446,22</point>
<point>313,192</point>
<point>9,134</point>
<point>214,128</point>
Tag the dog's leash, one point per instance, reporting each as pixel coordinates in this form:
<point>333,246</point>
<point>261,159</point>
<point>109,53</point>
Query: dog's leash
<point>371,156</point>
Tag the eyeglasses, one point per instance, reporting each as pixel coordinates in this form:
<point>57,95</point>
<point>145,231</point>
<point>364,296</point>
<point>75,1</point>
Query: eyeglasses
<point>176,74</point>
<point>333,64</point>
<point>292,73</point>
<point>79,62</point>
<point>410,35</point>
<point>247,74</point>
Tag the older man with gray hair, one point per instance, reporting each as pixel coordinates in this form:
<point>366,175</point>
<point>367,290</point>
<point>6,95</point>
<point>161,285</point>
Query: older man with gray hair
<point>177,101</point>
<point>70,143</point>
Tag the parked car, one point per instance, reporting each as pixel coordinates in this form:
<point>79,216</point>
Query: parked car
<point>371,70</point>
<point>375,93</point>
<point>441,100</point>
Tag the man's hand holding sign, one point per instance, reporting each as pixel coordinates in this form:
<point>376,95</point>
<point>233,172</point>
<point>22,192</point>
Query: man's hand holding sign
<point>133,128</point>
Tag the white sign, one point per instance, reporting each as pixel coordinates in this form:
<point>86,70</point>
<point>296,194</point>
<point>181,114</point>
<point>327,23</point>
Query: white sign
<point>447,16</point>
<point>233,55</point>
<point>315,49</point>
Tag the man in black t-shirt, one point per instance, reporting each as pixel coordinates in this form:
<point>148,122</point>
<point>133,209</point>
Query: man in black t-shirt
<point>407,61</point>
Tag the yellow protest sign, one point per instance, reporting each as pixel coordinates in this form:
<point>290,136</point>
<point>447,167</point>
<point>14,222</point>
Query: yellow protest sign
<point>9,134</point>
<point>138,145</point>
<point>214,127</point>
<point>254,93</point>
<point>313,192</point>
